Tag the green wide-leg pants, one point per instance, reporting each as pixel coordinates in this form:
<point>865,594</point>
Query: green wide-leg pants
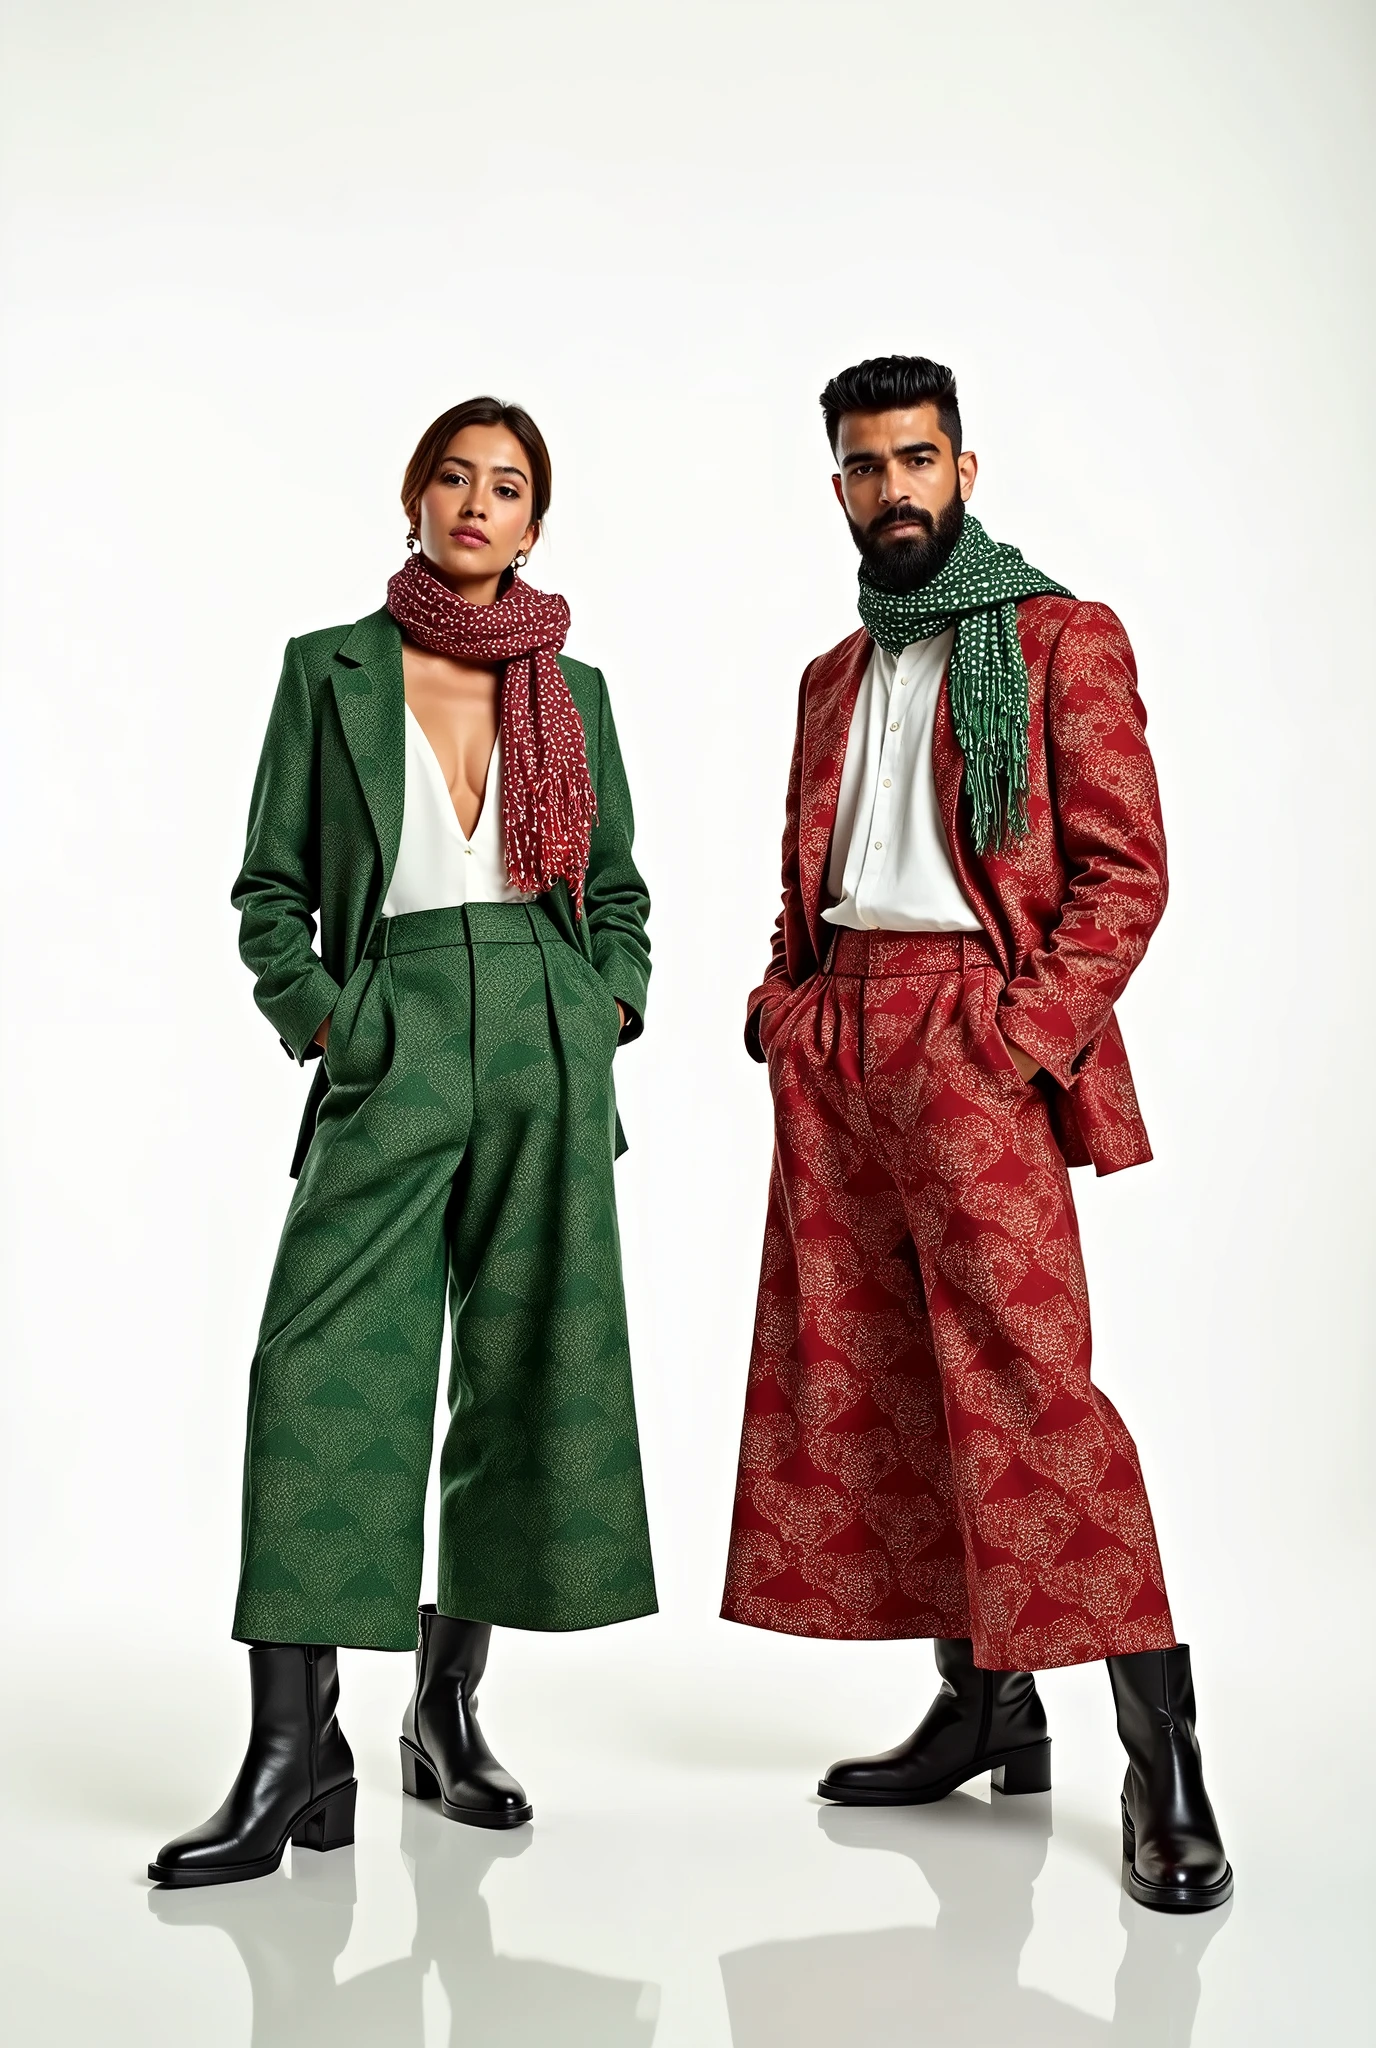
<point>464,1147</point>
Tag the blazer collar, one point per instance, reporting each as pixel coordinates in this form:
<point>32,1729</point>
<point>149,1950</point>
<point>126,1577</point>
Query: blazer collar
<point>371,696</point>
<point>831,695</point>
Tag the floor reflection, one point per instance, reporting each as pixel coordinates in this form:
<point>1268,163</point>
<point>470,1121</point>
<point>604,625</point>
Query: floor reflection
<point>290,1932</point>
<point>958,1980</point>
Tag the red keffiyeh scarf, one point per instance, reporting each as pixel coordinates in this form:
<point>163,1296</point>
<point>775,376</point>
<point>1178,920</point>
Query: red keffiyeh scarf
<point>548,805</point>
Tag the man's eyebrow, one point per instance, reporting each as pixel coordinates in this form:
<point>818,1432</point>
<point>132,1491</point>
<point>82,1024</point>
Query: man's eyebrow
<point>908,448</point>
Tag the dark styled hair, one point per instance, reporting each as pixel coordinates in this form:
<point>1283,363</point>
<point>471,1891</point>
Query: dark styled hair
<point>424,465</point>
<point>891,383</point>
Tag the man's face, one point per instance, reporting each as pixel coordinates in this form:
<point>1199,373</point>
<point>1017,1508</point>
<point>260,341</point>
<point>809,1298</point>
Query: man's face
<point>903,492</point>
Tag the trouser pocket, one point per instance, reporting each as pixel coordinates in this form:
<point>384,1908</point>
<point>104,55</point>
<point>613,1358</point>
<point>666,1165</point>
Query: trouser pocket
<point>592,987</point>
<point>344,1019</point>
<point>782,1012</point>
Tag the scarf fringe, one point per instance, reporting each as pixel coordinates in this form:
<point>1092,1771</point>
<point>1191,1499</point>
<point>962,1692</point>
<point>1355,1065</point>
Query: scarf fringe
<point>976,591</point>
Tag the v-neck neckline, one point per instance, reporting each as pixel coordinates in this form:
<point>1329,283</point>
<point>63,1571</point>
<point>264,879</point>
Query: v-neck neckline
<point>468,838</point>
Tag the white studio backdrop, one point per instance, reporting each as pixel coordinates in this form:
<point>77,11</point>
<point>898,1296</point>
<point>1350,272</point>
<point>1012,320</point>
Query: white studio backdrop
<point>253,249</point>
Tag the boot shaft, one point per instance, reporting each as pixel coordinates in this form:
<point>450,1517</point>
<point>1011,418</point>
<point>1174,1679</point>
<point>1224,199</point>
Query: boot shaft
<point>294,1689</point>
<point>1153,1698</point>
<point>451,1653</point>
<point>1153,1694</point>
<point>1003,1699</point>
<point>293,1681</point>
<point>451,1657</point>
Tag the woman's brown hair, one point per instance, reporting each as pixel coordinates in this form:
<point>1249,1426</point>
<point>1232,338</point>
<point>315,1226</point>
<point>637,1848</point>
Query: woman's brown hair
<point>424,465</point>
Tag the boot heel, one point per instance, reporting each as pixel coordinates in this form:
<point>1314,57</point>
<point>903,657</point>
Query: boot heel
<point>332,1827</point>
<point>1030,1771</point>
<point>417,1778</point>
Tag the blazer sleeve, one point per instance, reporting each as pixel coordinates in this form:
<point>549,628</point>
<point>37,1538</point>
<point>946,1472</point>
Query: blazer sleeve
<point>278,887</point>
<point>616,902</point>
<point>777,979</point>
<point>1114,843</point>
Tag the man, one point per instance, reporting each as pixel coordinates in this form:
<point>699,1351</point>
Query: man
<point>973,864</point>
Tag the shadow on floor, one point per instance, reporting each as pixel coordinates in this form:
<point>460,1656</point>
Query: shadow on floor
<point>290,1932</point>
<point>958,1980</point>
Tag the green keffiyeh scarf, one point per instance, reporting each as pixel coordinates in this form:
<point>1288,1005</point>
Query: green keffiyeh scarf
<point>975,591</point>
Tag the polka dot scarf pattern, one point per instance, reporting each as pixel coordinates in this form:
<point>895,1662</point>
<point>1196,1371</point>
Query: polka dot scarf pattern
<point>975,590</point>
<point>548,804</point>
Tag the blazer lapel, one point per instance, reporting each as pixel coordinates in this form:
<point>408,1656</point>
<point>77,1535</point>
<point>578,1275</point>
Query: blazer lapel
<point>830,706</point>
<point>369,691</point>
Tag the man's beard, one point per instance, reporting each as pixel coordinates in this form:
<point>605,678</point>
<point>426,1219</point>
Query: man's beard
<point>902,566</point>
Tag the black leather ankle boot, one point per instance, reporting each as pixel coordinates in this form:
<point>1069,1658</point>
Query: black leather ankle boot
<point>296,1782</point>
<point>979,1721</point>
<point>1173,1856</point>
<point>443,1754</point>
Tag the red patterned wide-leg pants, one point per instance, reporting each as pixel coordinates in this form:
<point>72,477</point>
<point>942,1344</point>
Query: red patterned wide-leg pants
<point>923,1452</point>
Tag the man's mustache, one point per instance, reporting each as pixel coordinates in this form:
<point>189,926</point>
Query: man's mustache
<point>904,515</point>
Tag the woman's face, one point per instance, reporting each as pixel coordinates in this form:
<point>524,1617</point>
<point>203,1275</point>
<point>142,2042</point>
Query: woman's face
<point>475,512</point>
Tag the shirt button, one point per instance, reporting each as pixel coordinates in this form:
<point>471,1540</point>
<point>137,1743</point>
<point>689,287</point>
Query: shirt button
<point>894,726</point>
<point>887,783</point>
<point>877,844</point>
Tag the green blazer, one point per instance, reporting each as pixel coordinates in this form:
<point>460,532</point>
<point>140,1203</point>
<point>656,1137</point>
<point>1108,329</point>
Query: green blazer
<point>325,826</point>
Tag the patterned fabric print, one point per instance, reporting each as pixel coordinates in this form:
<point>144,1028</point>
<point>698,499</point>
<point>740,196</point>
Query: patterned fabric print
<point>1068,910</point>
<point>923,1452</point>
<point>466,1140</point>
<point>548,805</point>
<point>975,590</point>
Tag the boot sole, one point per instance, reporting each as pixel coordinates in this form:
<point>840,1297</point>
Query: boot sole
<point>420,1781</point>
<point>1163,1898</point>
<point>1013,1771</point>
<point>327,1823</point>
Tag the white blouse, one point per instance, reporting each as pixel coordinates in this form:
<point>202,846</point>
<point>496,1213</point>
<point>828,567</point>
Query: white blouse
<point>436,865</point>
<point>890,866</point>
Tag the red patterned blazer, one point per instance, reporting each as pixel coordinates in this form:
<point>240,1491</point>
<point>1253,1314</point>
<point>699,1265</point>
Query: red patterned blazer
<point>1069,909</point>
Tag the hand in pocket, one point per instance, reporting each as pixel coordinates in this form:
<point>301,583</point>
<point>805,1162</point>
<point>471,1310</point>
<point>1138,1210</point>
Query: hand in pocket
<point>1027,1067</point>
<point>778,1012</point>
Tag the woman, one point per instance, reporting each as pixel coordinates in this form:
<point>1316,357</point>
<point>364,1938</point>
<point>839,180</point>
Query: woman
<point>444,791</point>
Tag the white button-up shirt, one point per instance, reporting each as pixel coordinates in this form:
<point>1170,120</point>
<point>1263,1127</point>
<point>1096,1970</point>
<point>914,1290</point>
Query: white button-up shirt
<point>890,867</point>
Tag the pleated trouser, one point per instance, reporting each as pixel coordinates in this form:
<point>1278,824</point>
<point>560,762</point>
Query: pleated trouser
<point>924,1451</point>
<point>464,1149</point>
